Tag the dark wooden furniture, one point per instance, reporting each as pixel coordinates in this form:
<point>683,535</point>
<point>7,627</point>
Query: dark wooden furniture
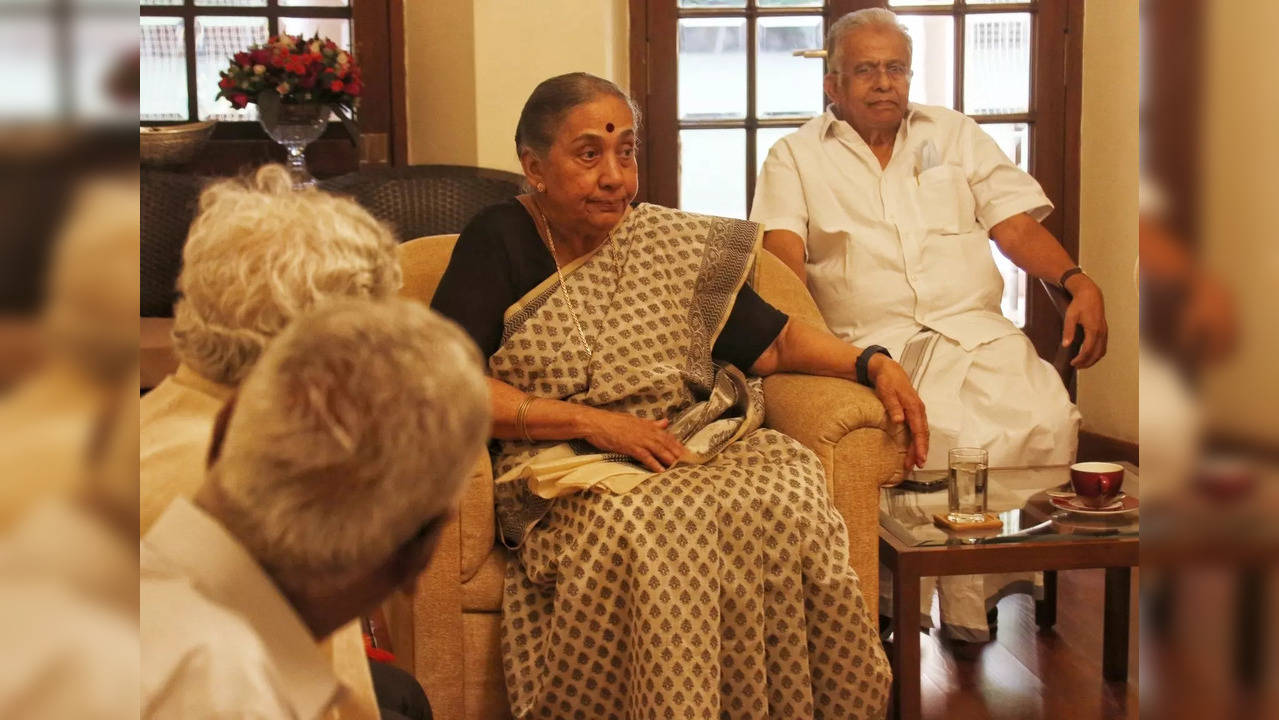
<point>1035,536</point>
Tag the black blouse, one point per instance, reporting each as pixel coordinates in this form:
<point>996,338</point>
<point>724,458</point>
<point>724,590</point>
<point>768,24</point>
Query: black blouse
<point>499,257</point>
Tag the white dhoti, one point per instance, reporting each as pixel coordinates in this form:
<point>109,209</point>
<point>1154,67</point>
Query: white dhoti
<point>1002,397</point>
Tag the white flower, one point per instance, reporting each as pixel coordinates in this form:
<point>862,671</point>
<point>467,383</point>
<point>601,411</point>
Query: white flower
<point>343,58</point>
<point>282,88</point>
<point>259,69</point>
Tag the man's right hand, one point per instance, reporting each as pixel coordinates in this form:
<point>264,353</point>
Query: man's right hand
<point>645,440</point>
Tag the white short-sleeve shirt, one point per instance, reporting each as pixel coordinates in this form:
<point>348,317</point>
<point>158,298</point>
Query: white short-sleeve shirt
<point>892,250</point>
<point>219,640</point>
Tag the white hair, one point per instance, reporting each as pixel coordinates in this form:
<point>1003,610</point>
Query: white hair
<point>258,254</point>
<point>866,17</point>
<point>355,429</point>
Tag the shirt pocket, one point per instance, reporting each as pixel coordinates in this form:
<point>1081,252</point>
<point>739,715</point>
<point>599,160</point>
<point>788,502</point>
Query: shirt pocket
<point>944,200</point>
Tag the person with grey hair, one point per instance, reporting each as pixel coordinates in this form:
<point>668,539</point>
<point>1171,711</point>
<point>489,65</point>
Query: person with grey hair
<point>643,498</point>
<point>885,208</point>
<point>258,254</point>
<point>329,475</point>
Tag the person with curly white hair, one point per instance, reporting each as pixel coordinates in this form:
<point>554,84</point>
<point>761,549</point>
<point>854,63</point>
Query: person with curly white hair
<point>330,473</point>
<point>258,254</point>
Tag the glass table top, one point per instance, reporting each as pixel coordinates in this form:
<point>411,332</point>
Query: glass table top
<point>1018,496</point>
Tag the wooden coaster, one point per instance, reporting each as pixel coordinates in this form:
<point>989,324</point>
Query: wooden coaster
<point>992,522</point>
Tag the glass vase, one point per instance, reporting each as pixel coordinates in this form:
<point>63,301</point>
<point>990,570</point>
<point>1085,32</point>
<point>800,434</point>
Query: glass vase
<point>295,127</point>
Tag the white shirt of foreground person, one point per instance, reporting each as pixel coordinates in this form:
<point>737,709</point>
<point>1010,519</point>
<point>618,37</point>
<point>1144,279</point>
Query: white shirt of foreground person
<point>218,638</point>
<point>895,251</point>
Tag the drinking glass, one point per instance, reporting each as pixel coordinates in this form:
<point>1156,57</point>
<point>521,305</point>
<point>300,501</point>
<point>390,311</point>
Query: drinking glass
<point>966,486</point>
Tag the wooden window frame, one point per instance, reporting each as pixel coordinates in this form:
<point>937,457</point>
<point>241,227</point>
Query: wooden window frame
<point>1055,104</point>
<point>377,39</point>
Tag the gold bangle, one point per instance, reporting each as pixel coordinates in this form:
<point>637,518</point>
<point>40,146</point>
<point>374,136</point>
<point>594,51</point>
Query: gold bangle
<point>521,417</point>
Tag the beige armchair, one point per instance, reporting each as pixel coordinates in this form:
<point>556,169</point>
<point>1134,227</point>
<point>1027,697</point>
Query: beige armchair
<point>447,634</point>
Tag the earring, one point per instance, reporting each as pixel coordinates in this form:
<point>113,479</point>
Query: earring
<point>541,187</point>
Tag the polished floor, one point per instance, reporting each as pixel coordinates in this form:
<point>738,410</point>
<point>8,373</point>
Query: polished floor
<point>1027,673</point>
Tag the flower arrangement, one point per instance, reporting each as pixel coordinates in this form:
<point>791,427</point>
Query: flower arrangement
<point>295,71</point>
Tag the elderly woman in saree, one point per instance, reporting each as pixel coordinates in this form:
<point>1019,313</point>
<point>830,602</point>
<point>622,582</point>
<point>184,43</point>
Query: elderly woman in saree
<point>673,557</point>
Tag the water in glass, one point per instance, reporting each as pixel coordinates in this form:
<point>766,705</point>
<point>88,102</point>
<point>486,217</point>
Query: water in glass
<point>967,491</point>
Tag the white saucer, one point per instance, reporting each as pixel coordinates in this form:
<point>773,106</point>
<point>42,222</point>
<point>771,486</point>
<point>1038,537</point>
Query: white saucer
<point>1122,504</point>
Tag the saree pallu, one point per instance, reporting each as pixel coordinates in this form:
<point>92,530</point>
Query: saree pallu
<point>718,588</point>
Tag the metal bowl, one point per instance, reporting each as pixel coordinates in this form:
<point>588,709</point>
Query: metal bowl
<point>168,145</point>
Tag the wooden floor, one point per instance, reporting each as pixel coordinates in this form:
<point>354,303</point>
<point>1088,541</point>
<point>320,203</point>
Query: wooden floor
<point>1026,673</point>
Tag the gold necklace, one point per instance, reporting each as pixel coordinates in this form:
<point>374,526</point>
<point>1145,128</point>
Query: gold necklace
<point>568,295</point>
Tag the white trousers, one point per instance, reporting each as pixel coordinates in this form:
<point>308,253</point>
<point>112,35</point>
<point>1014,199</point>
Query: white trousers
<point>1001,397</point>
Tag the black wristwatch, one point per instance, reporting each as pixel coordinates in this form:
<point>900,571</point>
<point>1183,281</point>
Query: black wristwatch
<point>1076,270</point>
<point>863,362</point>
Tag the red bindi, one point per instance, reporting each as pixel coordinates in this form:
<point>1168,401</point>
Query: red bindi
<point>609,127</point>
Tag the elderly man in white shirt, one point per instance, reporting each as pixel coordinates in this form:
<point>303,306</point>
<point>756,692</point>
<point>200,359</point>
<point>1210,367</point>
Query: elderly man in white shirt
<point>885,208</point>
<point>330,472</point>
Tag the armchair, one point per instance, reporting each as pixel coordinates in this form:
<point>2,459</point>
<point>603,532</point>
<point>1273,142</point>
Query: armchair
<point>447,633</point>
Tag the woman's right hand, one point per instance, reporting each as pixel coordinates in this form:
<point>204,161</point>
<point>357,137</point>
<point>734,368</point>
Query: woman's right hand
<point>645,440</point>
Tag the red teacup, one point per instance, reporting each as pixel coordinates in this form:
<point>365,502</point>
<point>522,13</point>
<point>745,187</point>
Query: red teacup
<point>1096,484</point>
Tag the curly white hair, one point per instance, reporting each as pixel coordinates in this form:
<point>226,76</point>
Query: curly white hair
<point>258,254</point>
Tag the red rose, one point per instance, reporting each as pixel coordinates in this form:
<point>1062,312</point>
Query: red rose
<point>307,82</point>
<point>354,87</point>
<point>226,83</point>
<point>336,86</point>
<point>239,100</point>
<point>243,59</point>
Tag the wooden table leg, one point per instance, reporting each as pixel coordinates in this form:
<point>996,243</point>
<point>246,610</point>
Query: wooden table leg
<point>1046,609</point>
<point>905,652</point>
<point>1114,662</point>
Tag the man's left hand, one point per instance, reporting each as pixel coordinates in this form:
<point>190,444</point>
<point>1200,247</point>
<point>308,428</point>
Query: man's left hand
<point>1086,313</point>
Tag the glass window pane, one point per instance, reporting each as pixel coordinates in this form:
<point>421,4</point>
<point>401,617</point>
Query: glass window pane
<point>932,58</point>
<point>161,2</point>
<point>765,138</point>
<point>712,3</point>
<point>231,3</point>
<point>162,90</point>
<point>336,29</point>
<point>789,3</point>
<point>997,63</point>
<point>901,3</point>
<point>1013,139</point>
<point>713,172</point>
<point>999,2</point>
<point>712,68</point>
<point>216,40</point>
<point>1013,303</point>
<point>314,3</point>
<point>786,85</point>
<point>28,51</point>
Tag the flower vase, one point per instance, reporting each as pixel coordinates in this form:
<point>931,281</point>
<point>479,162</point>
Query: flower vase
<point>296,126</point>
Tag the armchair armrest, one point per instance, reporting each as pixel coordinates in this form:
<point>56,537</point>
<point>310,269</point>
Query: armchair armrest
<point>844,407</point>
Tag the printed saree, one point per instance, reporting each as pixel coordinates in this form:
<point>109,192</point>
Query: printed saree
<point>718,588</point>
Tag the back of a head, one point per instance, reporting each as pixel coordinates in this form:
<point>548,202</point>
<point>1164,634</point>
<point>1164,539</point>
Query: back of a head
<point>258,254</point>
<point>356,427</point>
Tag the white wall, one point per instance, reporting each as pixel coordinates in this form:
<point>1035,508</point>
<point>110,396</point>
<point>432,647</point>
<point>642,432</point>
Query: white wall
<point>475,62</point>
<point>1108,209</point>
